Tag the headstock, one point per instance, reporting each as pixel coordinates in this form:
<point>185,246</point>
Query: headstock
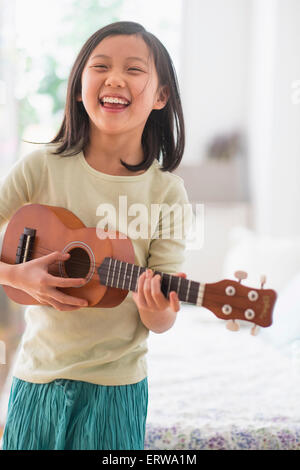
<point>230,300</point>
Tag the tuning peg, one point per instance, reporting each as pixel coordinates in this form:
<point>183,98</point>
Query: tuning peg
<point>254,330</point>
<point>263,280</point>
<point>232,325</point>
<point>240,275</point>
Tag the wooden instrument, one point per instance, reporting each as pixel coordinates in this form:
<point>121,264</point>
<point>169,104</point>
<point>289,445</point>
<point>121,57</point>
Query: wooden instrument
<point>107,264</point>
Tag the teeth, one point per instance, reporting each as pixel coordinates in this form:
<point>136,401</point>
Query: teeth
<point>114,100</point>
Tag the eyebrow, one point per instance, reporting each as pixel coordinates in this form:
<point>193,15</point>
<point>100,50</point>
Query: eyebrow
<point>108,57</point>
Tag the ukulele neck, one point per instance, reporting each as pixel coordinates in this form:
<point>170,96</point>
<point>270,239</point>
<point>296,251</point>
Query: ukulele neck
<point>122,275</point>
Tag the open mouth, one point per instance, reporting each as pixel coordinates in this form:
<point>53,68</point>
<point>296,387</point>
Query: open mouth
<point>113,105</point>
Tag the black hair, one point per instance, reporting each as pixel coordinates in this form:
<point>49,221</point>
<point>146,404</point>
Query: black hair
<point>158,139</point>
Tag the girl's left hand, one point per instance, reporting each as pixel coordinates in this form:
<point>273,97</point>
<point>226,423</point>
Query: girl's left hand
<point>149,296</point>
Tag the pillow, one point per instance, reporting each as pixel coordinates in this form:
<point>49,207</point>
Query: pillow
<point>285,329</point>
<point>277,258</point>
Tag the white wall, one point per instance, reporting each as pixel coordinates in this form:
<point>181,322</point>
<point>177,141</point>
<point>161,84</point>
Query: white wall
<point>240,62</point>
<point>274,117</point>
<point>214,70</point>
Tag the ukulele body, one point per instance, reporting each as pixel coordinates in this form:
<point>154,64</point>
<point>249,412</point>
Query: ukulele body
<point>58,229</point>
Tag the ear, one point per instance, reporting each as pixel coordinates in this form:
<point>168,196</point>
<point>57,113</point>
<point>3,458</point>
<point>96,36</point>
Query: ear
<point>162,98</point>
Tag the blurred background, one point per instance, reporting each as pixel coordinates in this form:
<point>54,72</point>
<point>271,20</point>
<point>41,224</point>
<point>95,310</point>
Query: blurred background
<point>238,69</point>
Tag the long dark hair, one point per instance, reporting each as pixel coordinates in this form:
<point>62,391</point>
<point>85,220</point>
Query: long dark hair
<point>158,140</point>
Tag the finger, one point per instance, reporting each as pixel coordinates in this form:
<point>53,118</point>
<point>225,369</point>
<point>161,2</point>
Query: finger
<point>174,301</point>
<point>157,295</point>
<point>67,299</point>
<point>62,307</point>
<point>54,256</point>
<point>65,281</point>
<point>139,296</point>
<point>147,290</point>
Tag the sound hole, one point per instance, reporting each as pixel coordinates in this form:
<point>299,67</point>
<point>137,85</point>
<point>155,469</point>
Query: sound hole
<point>78,265</point>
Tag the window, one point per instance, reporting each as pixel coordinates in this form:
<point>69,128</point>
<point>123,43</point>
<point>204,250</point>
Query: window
<point>48,42</point>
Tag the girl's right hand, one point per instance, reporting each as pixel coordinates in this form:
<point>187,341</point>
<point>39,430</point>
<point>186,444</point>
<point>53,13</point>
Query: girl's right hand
<point>33,278</point>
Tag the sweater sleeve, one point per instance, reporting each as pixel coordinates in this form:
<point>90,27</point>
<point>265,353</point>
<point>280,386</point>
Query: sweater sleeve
<point>20,184</point>
<point>168,244</point>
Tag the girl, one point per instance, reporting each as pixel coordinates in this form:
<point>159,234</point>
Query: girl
<point>80,379</point>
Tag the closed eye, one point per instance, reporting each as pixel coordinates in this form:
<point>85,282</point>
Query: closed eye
<point>132,68</point>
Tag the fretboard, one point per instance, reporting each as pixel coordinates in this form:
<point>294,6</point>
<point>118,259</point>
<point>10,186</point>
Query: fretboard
<point>122,275</point>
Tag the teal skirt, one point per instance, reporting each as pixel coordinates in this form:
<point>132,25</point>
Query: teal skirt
<point>70,414</point>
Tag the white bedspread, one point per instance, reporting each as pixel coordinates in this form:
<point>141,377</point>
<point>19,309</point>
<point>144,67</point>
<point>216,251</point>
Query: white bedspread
<point>210,388</point>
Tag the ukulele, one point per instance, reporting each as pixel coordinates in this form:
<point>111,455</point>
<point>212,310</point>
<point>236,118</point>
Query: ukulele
<point>107,264</point>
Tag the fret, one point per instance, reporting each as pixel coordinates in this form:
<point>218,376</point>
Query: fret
<point>124,276</point>
<point>187,292</point>
<point>174,280</point>
<point>107,277</point>
<point>200,296</point>
<point>110,272</point>
<point>113,273</point>
<point>130,278</point>
<point>183,289</point>
<point>107,274</point>
<point>119,263</point>
<point>121,275</point>
<point>127,276</point>
<point>178,287</point>
<point>165,283</point>
<point>185,284</point>
<point>194,294</point>
<point>169,284</point>
<point>137,278</point>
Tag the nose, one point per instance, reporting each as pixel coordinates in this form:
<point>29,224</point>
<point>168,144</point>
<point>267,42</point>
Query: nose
<point>114,80</point>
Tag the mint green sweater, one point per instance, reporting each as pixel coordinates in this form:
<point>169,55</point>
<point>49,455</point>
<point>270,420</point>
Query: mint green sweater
<point>99,345</point>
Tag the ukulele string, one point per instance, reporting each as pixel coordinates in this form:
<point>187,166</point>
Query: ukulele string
<point>112,271</point>
<point>78,264</point>
<point>74,263</point>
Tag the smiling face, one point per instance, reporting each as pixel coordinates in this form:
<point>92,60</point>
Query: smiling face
<point>127,70</point>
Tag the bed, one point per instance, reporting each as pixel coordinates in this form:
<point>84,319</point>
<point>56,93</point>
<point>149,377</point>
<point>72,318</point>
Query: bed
<point>210,388</point>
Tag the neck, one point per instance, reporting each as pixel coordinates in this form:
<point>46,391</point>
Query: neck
<point>106,150</point>
<point>116,273</point>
